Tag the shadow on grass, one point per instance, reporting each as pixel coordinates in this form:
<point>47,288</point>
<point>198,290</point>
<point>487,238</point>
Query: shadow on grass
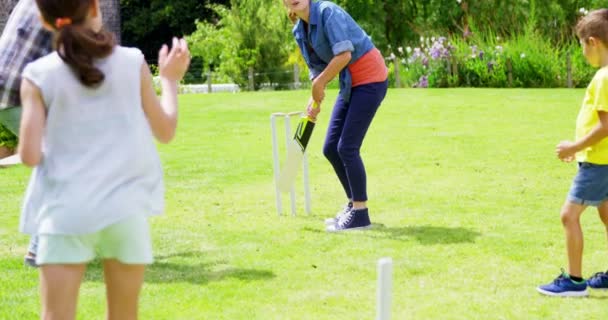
<point>426,235</point>
<point>187,268</point>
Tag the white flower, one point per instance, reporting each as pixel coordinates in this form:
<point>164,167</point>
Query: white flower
<point>433,39</point>
<point>408,49</point>
<point>400,49</point>
<point>392,56</point>
<point>523,55</point>
<point>458,1</point>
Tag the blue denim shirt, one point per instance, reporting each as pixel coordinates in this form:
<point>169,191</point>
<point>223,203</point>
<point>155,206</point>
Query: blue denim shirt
<point>331,31</point>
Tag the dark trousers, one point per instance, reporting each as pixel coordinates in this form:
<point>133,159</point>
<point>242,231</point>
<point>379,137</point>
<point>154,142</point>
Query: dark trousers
<point>347,128</point>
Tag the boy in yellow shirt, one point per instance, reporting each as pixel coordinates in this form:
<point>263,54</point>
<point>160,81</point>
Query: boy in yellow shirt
<point>590,150</point>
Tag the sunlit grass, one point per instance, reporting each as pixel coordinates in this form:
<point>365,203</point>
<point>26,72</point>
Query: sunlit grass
<point>464,194</point>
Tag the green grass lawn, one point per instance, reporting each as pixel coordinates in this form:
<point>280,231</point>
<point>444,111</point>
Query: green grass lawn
<point>464,187</point>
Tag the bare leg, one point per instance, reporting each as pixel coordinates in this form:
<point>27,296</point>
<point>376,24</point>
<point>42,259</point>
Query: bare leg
<point>602,210</point>
<point>123,284</point>
<point>59,285</point>
<point>570,215</point>
<point>359,205</point>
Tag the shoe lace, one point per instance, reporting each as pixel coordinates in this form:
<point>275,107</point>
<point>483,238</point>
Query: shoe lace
<point>345,210</point>
<point>559,280</point>
<point>562,278</point>
<point>346,218</point>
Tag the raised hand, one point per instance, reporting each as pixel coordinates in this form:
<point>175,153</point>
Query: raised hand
<point>173,64</point>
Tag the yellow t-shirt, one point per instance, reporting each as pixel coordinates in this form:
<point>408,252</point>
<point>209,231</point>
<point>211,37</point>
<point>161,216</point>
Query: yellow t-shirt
<point>596,99</point>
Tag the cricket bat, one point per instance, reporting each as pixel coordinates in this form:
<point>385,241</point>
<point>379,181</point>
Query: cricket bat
<point>295,153</point>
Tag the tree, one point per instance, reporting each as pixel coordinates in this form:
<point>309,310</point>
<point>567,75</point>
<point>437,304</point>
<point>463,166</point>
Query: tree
<point>252,34</point>
<point>147,24</point>
<point>110,11</point>
<point>396,23</point>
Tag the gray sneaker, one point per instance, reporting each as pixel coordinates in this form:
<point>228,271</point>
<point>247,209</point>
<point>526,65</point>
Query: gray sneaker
<point>345,210</point>
<point>30,260</point>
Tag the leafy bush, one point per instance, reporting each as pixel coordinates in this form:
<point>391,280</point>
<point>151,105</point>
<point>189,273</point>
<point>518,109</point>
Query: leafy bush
<point>7,138</point>
<point>249,34</point>
<point>582,72</point>
<point>486,60</point>
<point>535,62</point>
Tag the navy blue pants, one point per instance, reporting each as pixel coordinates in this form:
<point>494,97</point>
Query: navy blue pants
<point>347,128</point>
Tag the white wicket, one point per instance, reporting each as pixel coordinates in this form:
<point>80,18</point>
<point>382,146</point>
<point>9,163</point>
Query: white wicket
<point>385,287</point>
<point>276,162</point>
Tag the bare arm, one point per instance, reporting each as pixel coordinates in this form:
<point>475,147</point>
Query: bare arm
<point>566,150</point>
<point>596,135</point>
<point>162,115</point>
<point>337,63</point>
<point>33,120</point>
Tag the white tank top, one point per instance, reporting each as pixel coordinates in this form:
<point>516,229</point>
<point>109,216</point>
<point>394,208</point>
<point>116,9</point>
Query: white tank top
<point>100,163</point>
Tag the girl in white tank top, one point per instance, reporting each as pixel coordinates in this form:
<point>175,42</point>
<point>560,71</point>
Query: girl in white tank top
<point>90,116</point>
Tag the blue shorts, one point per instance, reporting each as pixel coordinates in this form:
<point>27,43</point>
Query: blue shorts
<point>590,186</point>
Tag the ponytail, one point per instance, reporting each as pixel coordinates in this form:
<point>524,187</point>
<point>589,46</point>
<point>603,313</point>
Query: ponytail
<point>79,47</point>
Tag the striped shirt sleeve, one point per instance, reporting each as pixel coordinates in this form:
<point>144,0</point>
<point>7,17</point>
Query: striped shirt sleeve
<point>23,40</point>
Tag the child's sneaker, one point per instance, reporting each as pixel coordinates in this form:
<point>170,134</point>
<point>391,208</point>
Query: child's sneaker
<point>352,220</point>
<point>563,286</point>
<point>599,281</point>
<point>333,221</point>
<point>30,260</point>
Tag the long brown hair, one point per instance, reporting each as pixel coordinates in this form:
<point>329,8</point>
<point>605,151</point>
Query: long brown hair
<point>76,44</point>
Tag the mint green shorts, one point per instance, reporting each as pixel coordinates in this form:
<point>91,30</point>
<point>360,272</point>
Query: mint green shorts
<point>11,119</point>
<point>127,241</point>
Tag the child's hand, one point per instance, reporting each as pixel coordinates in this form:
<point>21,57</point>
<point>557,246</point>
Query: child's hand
<point>565,151</point>
<point>172,65</point>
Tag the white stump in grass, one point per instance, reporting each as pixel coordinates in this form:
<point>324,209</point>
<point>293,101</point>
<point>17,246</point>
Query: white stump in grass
<point>385,286</point>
